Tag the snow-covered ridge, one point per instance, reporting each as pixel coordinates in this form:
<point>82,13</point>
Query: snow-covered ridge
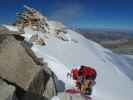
<point>114,80</point>
<point>11,28</point>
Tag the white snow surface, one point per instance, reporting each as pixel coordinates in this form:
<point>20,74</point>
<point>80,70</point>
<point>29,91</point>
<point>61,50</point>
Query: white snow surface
<point>55,98</point>
<point>112,82</point>
<point>11,28</point>
<point>115,72</point>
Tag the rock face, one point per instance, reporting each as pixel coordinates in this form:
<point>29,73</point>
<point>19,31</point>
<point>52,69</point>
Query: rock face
<point>9,30</point>
<point>38,28</point>
<point>20,67</point>
<point>15,61</point>
<point>31,17</point>
<point>6,91</point>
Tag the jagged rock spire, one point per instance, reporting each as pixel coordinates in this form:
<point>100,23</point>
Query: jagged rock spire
<point>31,17</point>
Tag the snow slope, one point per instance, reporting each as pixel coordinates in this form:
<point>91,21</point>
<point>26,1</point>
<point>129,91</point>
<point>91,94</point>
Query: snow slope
<point>112,83</point>
<point>115,78</point>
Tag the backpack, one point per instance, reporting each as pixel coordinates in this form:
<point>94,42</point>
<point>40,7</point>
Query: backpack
<point>88,72</point>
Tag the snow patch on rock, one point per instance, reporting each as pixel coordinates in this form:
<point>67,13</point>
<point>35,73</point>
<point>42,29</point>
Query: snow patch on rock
<point>11,28</point>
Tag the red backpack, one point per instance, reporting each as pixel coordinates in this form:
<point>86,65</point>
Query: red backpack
<point>88,72</point>
<point>85,71</point>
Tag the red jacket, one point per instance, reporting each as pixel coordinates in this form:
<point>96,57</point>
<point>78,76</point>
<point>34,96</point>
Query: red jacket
<point>88,72</point>
<point>85,71</point>
<point>75,73</point>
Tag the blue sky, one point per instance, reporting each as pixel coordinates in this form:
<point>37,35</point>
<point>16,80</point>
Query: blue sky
<point>114,14</point>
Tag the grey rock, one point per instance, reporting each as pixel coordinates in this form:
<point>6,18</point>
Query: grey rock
<point>31,17</point>
<point>50,89</point>
<point>16,65</point>
<point>20,67</point>
<point>6,91</point>
<point>4,30</point>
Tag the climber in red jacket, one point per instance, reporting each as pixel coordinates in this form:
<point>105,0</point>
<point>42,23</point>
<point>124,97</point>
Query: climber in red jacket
<point>85,78</point>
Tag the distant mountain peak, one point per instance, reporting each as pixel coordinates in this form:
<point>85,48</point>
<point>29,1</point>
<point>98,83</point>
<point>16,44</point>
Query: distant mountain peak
<point>36,26</point>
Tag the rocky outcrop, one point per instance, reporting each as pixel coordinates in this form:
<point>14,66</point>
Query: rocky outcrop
<point>6,91</point>
<point>27,73</point>
<point>38,28</point>
<point>6,30</point>
<point>31,17</point>
<point>16,62</point>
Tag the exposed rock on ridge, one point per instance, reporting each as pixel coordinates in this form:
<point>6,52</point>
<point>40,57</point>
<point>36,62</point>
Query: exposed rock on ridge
<point>27,74</point>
